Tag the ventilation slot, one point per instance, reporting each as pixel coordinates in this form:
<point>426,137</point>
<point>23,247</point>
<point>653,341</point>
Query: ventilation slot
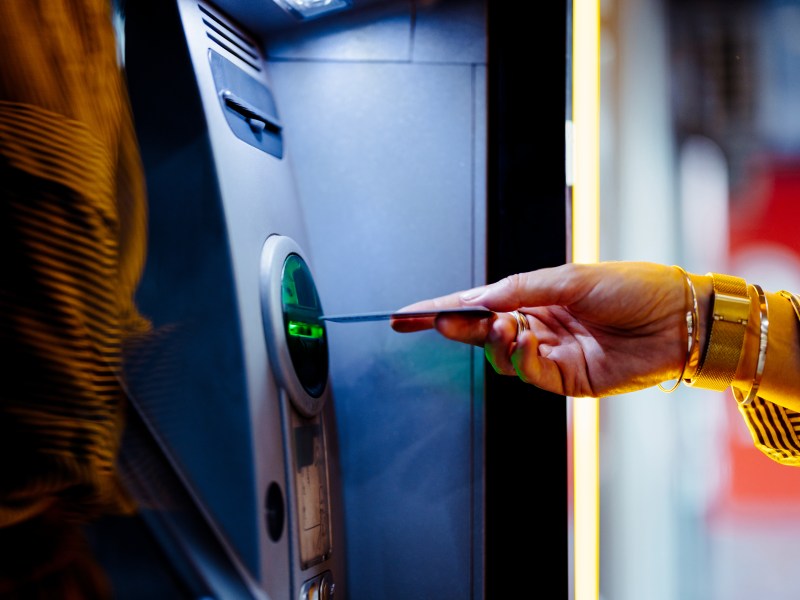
<point>227,37</point>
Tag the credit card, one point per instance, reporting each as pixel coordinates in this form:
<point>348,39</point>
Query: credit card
<point>477,313</point>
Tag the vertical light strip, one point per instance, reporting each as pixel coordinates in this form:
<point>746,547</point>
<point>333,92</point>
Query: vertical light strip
<point>586,249</point>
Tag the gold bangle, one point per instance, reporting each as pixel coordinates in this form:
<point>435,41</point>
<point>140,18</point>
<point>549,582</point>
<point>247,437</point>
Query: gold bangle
<point>763,327</point>
<point>693,364</point>
<point>730,312</point>
<point>692,331</point>
<point>792,298</point>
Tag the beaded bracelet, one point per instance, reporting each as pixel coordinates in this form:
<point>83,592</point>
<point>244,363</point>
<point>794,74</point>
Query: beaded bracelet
<point>692,331</point>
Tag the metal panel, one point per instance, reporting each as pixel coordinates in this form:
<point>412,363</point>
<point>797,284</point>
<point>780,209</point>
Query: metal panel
<point>382,33</point>
<point>205,378</point>
<point>390,164</point>
<point>452,31</point>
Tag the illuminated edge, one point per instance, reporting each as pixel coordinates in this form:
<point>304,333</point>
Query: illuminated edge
<point>585,249</point>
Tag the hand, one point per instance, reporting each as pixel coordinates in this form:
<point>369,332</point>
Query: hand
<point>595,329</point>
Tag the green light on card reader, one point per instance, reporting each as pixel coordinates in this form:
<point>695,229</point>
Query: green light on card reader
<point>305,330</point>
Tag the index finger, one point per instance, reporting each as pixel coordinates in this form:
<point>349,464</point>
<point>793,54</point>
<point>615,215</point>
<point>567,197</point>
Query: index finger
<point>466,330</point>
<point>450,301</point>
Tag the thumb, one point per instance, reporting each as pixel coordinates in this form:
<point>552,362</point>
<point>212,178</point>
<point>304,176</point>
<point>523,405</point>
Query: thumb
<point>542,287</point>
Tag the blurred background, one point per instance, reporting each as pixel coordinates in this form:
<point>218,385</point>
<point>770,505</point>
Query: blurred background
<point>700,166</point>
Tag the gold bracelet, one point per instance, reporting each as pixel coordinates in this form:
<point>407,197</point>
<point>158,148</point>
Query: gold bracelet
<point>692,331</point>
<point>730,312</point>
<point>693,364</point>
<point>763,327</point>
<point>792,298</point>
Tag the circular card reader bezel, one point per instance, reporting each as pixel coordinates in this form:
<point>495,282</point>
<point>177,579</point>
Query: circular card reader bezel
<point>276,252</point>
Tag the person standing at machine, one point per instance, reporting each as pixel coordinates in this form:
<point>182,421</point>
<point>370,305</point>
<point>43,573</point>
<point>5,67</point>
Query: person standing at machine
<point>610,328</point>
<point>72,232</point>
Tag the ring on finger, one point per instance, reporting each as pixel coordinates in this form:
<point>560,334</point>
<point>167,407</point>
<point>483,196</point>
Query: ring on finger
<point>522,321</point>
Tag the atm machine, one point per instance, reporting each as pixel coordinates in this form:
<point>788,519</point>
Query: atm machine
<point>254,421</point>
<point>231,387</point>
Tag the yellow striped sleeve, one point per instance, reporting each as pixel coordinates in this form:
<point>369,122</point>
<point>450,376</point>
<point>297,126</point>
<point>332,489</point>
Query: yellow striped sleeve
<point>775,430</point>
<point>65,310</point>
<point>73,241</point>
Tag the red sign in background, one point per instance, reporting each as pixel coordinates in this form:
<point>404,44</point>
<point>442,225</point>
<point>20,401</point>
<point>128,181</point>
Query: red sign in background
<point>765,249</point>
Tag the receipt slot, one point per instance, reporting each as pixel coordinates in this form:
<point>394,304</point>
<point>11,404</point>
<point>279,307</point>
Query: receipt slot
<point>298,351</point>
